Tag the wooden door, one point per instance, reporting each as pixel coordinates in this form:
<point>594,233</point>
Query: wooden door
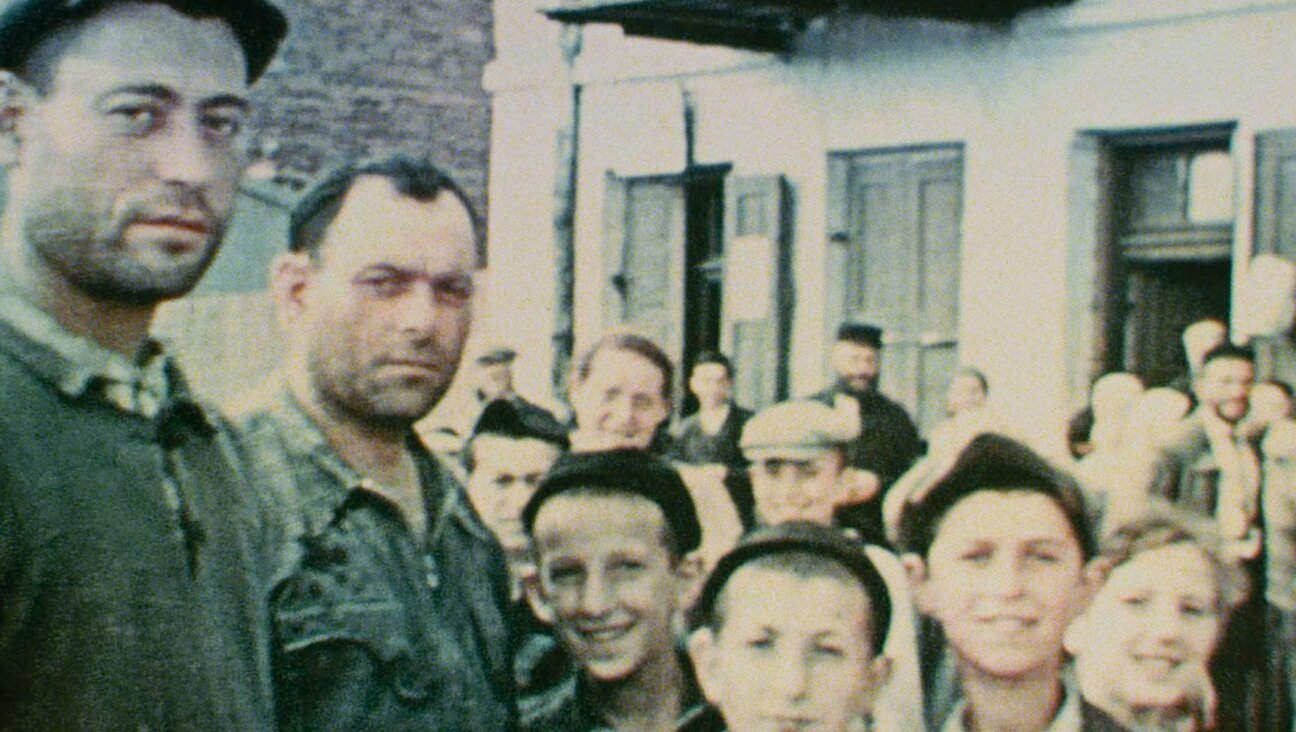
<point>898,215</point>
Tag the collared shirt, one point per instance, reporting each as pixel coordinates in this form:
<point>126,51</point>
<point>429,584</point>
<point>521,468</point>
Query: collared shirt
<point>137,386</point>
<point>373,629</point>
<point>1067,718</point>
<point>132,565</point>
<point>567,707</point>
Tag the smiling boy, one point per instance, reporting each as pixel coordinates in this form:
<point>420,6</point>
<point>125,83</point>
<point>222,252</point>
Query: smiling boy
<point>997,553</point>
<point>614,536</point>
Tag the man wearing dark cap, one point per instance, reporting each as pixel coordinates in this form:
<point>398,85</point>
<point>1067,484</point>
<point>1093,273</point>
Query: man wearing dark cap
<point>494,379</point>
<point>392,609</point>
<point>615,537</point>
<point>131,558</point>
<point>888,441</point>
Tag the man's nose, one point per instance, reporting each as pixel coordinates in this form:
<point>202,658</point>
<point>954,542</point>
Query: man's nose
<point>417,309</point>
<point>184,155</point>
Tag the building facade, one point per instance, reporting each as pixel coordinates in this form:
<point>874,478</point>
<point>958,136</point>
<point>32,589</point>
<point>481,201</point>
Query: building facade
<point>1047,196</point>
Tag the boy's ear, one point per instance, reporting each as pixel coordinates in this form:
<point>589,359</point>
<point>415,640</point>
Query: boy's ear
<point>856,486</point>
<point>916,571</point>
<point>1093,576</point>
<point>1077,633</point>
<point>290,275</point>
<point>688,575</point>
<point>875,675</point>
<point>702,651</point>
<point>534,590</point>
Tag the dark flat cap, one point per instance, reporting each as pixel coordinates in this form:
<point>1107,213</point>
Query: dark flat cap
<point>634,472</point>
<point>801,536</point>
<point>861,333</point>
<point>497,355</point>
<point>258,25</point>
<point>520,421</point>
<point>996,463</point>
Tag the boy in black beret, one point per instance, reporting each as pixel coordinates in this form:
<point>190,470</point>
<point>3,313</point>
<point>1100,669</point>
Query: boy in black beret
<point>614,535</point>
<point>793,622</point>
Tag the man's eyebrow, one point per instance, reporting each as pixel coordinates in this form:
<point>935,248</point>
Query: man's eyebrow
<point>226,100</point>
<point>145,90</point>
<point>164,93</point>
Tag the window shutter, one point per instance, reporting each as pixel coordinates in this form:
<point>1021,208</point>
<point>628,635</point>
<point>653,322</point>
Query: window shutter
<point>643,244</point>
<point>1275,232</point>
<point>757,288</point>
<point>1275,202</point>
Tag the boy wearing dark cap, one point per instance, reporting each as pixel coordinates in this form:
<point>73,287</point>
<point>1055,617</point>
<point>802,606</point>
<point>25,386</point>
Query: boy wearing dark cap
<point>799,473</point>
<point>997,552</point>
<point>614,535</point>
<point>793,620</point>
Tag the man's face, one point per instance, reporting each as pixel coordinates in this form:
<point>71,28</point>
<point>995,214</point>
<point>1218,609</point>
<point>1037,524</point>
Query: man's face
<point>506,472</point>
<point>1224,385</point>
<point>610,581</point>
<point>620,403</point>
<point>802,489</point>
<point>1147,639</point>
<point>1004,578</point>
<point>710,384</point>
<point>793,653</point>
<point>856,364</point>
<point>381,318</point>
<point>127,167</point>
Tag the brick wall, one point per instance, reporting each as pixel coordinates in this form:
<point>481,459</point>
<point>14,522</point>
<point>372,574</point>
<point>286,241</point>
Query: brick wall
<point>354,77</point>
<point>369,76</point>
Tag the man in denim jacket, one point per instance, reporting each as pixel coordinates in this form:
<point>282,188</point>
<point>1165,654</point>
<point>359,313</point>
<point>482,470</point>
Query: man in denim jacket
<point>392,607</point>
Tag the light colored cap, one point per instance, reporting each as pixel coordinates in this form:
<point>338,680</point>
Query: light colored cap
<point>798,430</point>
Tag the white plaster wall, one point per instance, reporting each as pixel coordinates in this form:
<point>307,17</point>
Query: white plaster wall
<point>1015,97</point>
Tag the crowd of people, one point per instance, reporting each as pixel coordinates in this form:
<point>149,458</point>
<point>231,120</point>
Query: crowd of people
<point>306,560</point>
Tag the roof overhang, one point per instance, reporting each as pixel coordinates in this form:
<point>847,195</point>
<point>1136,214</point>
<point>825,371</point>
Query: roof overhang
<point>766,25</point>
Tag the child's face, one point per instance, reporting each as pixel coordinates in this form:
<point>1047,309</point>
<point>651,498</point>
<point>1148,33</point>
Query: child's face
<point>792,654</point>
<point>1004,576</point>
<point>797,490</point>
<point>1147,639</point>
<point>609,580</point>
<point>506,472</point>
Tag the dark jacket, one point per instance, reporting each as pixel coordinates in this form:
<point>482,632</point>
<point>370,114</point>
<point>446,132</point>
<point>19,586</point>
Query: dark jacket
<point>690,444</point>
<point>566,706</point>
<point>372,630</point>
<point>131,562</point>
